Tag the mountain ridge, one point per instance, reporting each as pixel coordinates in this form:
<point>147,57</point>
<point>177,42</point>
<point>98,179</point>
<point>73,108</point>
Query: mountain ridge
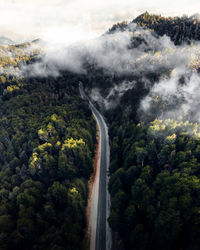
<point>179,29</point>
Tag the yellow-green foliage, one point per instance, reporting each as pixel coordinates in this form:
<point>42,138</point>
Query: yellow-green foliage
<point>171,138</point>
<point>58,144</point>
<point>3,79</point>
<point>11,59</point>
<point>43,135</point>
<point>14,55</point>
<point>170,126</point>
<point>54,117</point>
<point>11,88</point>
<point>156,126</point>
<point>50,129</point>
<point>45,146</point>
<point>35,160</point>
<point>72,143</point>
<point>73,190</point>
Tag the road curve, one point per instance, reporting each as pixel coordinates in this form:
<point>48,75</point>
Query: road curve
<point>100,238</point>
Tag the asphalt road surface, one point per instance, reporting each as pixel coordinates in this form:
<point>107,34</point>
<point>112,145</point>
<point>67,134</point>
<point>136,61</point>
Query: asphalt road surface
<point>100,231</point>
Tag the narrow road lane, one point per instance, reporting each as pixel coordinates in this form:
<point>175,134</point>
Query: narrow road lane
<point>100,201</point>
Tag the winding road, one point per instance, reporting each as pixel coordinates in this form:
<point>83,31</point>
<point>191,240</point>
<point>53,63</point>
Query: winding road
<point>100,237</point>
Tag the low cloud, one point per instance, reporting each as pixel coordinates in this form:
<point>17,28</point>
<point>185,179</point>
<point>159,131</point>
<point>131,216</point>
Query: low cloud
<point>112,99</point>
<point>33,18</point>
<point>134,52</point>
<point>174,98</point>
<point>126,52</point>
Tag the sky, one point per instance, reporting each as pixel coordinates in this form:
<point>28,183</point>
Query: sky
<point>54,20</point>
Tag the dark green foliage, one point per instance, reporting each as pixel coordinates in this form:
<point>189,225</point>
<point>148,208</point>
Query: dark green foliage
<point>179,29</point>
<point>155,185</point>
<point>43,178</point>
<point>47,141</point>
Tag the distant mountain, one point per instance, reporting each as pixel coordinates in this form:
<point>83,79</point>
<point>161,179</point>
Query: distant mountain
<point>6,41</point>
<point>179,29</point>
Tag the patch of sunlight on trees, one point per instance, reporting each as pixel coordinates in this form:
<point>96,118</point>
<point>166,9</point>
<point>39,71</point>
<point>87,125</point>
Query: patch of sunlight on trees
<point>54,117</point>
<point>169,127</point>
<point>43,135</point>
<point>58,144</point>
<point>72,143</point>
<point>11,88</point>
<point>3,79</point>
<point>171,138</point>
<point>35,160</point>
<point>73,190</point>
<point>45,146</point>
<point>156,126</point>
<point>11,60</point>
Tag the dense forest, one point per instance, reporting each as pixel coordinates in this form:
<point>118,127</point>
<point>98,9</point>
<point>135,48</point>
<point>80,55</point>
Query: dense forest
<point>154,171</point>
<point>179,29</point>
<point>47,141</point>
<point>155,178</point>
<point>155,184</point>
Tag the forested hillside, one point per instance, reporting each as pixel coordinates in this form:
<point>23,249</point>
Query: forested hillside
<point>152,106</point>
<point>144,77</point>
<point>179,29</point>
<point>155,184</point>
<point>47,141</point>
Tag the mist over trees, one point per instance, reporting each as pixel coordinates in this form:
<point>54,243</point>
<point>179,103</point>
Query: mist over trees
<point>153,112</point>
<point>47,142</point>
<point>144,77</point>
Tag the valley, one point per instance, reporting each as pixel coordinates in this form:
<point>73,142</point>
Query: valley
<point>139,82</point>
